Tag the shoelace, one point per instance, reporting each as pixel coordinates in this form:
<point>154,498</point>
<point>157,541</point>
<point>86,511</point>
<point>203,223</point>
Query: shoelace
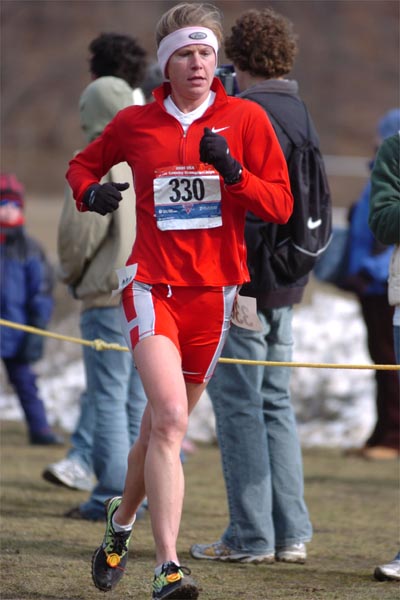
<point>119,546</point>
<point>119,542</point>
<point>173,568</point>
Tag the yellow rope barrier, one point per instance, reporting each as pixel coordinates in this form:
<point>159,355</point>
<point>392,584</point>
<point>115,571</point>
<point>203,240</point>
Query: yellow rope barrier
<point>96,344</point>
<point>272,363</point>
<point>100,345</point>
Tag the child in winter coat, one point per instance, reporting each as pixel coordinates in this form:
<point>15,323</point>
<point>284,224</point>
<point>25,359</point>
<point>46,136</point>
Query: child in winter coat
<point>25,298</point>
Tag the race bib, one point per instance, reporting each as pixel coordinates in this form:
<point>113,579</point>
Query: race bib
<point>245,313</point>
<point>187,197</point>
<point>125,276</point>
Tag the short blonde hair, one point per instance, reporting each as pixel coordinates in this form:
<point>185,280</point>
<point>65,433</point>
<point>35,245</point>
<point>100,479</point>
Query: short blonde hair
<point>188,14</point>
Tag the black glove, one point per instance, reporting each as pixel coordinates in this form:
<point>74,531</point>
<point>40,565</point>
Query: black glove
<point>104,198</point>
<point>214,150</point>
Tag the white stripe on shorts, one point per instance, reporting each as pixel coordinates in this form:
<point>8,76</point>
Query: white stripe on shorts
<point>143,304</point>
<point>229,295</point>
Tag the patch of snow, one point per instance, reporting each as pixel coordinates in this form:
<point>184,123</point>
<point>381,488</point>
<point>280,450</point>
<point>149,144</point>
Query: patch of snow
<point>334,407</point>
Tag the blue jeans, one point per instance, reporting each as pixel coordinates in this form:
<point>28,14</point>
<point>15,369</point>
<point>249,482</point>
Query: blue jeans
<point>111,410</point>
<point>82,437</point>
<point>257,435</point>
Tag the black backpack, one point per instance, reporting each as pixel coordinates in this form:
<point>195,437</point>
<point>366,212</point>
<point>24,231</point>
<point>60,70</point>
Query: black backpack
<point>309,230</point>
<point>310,225</point>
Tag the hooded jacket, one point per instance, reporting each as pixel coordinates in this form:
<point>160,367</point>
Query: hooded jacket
<point>90,246</point>
<point>368,259</point>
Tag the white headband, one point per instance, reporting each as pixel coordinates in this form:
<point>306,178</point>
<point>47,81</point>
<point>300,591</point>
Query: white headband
<point>184,37</point>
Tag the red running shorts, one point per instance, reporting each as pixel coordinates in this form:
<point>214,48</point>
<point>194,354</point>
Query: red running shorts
<point>195,319</point>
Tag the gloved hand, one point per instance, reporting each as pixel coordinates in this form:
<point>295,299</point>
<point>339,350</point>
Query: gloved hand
<point>104,198</point>
<point>214,150</point>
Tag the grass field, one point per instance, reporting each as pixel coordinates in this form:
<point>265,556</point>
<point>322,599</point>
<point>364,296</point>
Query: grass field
<point>354,507</point>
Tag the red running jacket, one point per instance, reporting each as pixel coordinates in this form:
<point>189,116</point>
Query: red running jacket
<point>148,138</point>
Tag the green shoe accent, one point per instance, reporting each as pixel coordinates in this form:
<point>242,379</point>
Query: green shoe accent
<point>173,582</point>
<point>109,560</point>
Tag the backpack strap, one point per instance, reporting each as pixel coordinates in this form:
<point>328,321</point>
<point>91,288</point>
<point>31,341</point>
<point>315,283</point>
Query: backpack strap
<point>261,98</point>
<point>285,128</point>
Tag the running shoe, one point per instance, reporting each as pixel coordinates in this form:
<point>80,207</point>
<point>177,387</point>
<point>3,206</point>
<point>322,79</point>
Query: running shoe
<point>46,438</point>
<point>218,551</point>
<point>296,553</point>
<point>70,473</point>
<point>390,571</point>
<point>109,560</point>
<point>78,513</point>
<point>174,582</point>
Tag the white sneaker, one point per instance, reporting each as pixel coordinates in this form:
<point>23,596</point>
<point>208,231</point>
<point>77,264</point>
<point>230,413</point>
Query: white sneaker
<point>69,473</point>
<point>296,553</point>
<point>389,571</point>
<point>218,551</point>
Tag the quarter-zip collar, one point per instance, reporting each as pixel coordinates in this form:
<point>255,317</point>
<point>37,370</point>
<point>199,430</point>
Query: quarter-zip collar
<point>164,90</point>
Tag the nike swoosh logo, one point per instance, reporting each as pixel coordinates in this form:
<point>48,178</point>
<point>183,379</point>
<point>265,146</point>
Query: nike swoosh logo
<point>313,224</point>
<point>214,130</point>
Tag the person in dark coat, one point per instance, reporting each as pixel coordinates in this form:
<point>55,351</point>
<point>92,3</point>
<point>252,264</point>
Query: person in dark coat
<point>367,278</point>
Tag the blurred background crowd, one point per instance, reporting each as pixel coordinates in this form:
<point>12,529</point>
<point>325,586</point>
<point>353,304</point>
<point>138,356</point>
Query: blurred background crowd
<point>348,69</point>
<point>347,66</point>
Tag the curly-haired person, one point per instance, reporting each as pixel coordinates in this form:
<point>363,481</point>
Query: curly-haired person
<point>256,426</point>
<point>262,43</point>
<point>119,55</point>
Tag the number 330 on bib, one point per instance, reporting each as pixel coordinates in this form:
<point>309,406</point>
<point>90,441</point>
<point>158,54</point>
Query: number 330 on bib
<point>187,197</point>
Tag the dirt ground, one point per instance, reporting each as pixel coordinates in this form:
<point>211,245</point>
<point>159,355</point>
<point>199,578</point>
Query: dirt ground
<point>44,556</point>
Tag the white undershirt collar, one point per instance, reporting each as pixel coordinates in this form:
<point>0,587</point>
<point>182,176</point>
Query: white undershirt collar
<point>186,119</point>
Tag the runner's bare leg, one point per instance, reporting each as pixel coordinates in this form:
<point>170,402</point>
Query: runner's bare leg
<point>154,466</point>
